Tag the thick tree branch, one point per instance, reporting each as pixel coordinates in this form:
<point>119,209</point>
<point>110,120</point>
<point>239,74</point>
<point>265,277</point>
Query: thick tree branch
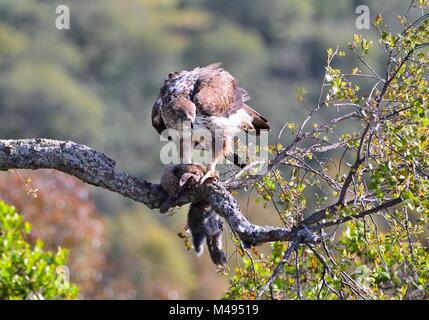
<point>95,168</point>
<point>78,160</point>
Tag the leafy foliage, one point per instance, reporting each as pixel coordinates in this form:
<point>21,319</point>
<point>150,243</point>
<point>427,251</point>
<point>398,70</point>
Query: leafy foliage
<point>26,272</point>
<point>62,215</point>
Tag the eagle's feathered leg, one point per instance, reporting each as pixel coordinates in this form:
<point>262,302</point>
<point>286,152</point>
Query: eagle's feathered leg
<point>218,153</point>
<point>186,145</point>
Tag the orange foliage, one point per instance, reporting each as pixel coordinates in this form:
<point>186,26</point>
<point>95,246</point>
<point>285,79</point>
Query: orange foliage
<point>62,214</point>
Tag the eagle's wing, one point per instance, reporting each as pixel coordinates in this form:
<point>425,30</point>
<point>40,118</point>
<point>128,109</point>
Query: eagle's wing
<point>157,121</point>
<point>217,94</point>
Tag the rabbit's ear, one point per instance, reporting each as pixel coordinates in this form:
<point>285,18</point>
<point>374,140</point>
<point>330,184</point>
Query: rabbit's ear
<point>186,177</point>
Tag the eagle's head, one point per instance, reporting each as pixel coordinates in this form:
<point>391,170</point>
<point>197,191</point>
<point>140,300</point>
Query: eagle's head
<point>174,75</point>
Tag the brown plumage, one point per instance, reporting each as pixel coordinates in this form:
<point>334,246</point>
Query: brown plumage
<point>216,91</point>
<point>210,90</point>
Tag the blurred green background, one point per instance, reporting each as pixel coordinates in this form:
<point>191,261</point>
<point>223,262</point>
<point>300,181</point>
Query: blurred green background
<point>96,83</point>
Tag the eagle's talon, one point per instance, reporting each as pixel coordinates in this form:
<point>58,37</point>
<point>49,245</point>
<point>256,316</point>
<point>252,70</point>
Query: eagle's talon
<point>211,174</point>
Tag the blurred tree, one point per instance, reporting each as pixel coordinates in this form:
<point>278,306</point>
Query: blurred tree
<point>13,43</point>
<point>62,215</point>
<point>151,256</point>
<point>227,42</point>
<point>55,103</point>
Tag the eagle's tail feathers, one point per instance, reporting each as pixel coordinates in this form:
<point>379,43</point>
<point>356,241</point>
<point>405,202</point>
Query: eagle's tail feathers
<point>213,66</point>
<point>259,122</point>
<point>241,96</point>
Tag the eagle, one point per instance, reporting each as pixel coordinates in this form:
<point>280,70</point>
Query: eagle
<point>206,98</point>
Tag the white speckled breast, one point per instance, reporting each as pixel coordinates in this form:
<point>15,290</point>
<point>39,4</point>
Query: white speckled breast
<point>184,85</point>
